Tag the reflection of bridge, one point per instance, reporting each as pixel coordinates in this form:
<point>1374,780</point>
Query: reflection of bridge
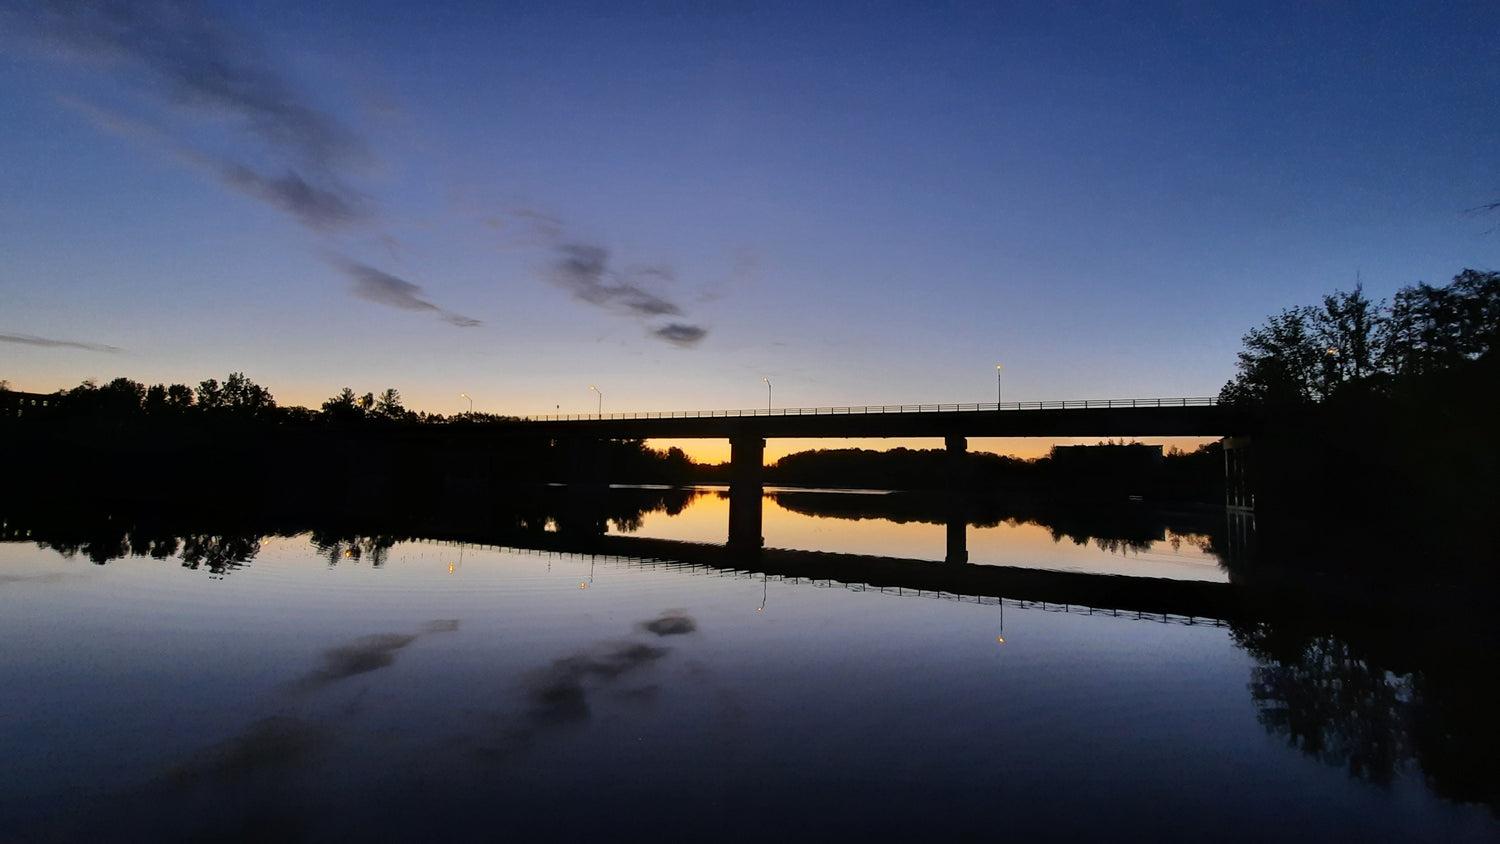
<point>1152,596</point>
<point>748,430</point>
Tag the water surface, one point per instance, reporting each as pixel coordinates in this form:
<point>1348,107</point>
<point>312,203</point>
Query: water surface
<point>314,686</point>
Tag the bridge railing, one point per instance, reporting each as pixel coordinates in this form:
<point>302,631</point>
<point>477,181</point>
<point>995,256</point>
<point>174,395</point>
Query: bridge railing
<point>1071,404</point>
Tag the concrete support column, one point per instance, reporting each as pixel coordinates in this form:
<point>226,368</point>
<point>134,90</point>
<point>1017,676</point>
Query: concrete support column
<point>747,457</point>
<point>958,461</point>
<point>587,461</point>
<point>1239,478</point>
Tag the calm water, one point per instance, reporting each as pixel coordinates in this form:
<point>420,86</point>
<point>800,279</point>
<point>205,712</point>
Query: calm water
<point>315,686</point>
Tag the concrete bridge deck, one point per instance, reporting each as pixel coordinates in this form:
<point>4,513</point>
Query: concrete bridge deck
<point>1201,417</point>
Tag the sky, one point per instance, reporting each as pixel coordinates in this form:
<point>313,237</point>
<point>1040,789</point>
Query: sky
<point>865,203</point>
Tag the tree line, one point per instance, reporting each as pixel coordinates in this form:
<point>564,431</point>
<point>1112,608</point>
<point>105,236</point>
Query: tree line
<point>235,398</point>
<point>1309,354</point>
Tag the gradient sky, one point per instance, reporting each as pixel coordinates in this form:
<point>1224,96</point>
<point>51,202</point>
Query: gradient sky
<point>866,203</point>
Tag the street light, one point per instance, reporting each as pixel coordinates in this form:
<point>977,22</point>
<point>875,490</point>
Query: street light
<point>471,403</point>
<point>768,394</point>
<point>601,400</point>
<point>998,367</point>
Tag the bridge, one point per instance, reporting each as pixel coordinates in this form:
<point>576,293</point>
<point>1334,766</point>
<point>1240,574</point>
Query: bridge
<point>748,430</point>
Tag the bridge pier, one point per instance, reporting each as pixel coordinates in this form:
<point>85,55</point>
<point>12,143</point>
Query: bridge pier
<point>1239,489</point>
<point>958,461</point>
<point>588,461</point>
<point>747,457</point>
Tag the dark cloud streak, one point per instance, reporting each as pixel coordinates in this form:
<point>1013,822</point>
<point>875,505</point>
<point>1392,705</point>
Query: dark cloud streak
<point>686,336</point>
<point>382,288</point>
<point>197,64</point>
<point>314,207</point>
<point>583,270</point>
<point>32,340</point>
<point>175,52</point>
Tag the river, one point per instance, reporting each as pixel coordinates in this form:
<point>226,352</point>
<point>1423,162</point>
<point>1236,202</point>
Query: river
<point>478,678</point>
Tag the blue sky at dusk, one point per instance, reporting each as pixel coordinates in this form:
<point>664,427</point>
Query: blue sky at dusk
<point>866,203</point>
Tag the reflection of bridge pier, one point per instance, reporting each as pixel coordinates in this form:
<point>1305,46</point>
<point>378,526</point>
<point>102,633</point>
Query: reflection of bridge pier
<point>1239,481</point>
<point>957,517</point>
<point>747,456</point>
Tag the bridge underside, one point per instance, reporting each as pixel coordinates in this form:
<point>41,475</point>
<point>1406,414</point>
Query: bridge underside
<point>748,434</point>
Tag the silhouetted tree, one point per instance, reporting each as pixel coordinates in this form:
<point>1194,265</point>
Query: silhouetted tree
<point>180,396</point>
<point>245,397</point>
<point>388,404</point>
<point>343,408</point>
<point>210,394</point>
<point>1305,355</point>
<point>1282,362</point>
<point>1349,327</point>
<point>156,399</point>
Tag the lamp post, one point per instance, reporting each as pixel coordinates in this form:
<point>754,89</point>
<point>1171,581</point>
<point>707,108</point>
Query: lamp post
<point>768,394</point>
<point>601,400</point>
<point>998,390</point>
<point>471,402</point>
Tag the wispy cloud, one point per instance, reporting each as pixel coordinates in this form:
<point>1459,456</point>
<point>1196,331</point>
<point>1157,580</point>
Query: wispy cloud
<point>187,57</point>
<point>583,270</point>
<point>382,288</point>
<point>322,209</point>
<point>174,53</point>
<point>315,207</point>
<point>33,340</point>
<point>200,92</point>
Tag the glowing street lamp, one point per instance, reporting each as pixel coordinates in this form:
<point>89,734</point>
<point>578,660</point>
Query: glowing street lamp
<point>601,400</point>
<point>768,394</point>
<point>471,402</point>
<point>998,367</point>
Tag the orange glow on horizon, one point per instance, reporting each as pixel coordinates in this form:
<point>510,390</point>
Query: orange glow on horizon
<point>712,451</point>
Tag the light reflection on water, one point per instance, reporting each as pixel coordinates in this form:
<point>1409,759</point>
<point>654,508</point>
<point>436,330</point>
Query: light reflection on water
<point>1009,543</point>
<point>442,689</point>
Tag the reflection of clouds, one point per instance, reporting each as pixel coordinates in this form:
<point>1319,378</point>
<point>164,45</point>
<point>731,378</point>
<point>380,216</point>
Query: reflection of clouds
<point>557,692</point>
<point>670,623</point>
<point>558,695</point>
<point>365,655</point>
<point>270,744</point>
<point>50,577</point>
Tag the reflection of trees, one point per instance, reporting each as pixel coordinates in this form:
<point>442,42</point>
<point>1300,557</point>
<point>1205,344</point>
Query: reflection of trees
<point>218,553</point>
<point>1113,528</point>
<point>340,547</point>
<point>1377,705</point>
<point>1329,703</point>
<point>1121,546</point>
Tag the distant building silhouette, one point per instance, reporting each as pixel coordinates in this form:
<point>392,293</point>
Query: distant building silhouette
<point>13,403</point>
